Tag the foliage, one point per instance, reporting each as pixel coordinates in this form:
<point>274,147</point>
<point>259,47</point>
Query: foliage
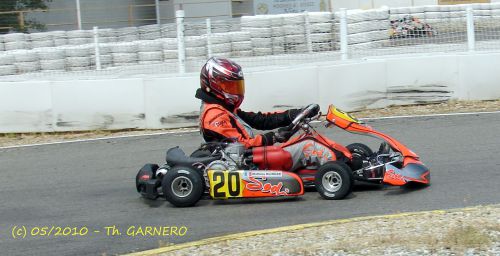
<point>9,14</point>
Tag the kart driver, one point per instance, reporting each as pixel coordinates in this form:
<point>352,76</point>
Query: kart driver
<point>222,92</point>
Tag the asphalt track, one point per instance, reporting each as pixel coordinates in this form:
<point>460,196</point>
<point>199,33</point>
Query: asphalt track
<point>91,184</point>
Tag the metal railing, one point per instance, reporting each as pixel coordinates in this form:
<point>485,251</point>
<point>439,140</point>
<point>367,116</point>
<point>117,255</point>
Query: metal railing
<point>255,41</point>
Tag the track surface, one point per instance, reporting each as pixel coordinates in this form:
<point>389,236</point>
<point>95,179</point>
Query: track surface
<point>92,184</point>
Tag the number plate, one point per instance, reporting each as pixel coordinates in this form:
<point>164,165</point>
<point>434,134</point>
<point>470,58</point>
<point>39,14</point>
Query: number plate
<point>225,184</point>
<point>265,183</point>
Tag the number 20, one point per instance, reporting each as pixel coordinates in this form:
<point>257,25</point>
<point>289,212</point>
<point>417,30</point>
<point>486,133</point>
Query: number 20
<point>233,184</point>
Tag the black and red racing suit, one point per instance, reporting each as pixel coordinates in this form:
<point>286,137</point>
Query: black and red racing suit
<point>219,121</point>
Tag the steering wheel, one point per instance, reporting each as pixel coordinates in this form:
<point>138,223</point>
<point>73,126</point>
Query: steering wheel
<point>304,114</point>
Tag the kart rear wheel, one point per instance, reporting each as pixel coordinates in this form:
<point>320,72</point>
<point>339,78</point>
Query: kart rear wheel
<point>359,152</point>
<point>182,186</point>
<point>334,180</point>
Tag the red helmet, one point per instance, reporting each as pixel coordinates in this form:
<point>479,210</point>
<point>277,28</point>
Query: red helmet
<point>223,79</point>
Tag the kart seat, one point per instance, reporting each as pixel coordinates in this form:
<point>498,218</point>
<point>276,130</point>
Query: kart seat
<point>176,156</point>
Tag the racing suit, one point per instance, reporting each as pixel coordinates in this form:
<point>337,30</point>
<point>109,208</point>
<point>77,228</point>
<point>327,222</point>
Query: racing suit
<point>219,121</point>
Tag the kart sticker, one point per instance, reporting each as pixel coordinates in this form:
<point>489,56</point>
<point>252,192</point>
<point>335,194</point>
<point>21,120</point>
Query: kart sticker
<point>393,176</point>
<point>262,174</point>
<point>225,184</point>
<point>234,184</point>
<point>257,185</point>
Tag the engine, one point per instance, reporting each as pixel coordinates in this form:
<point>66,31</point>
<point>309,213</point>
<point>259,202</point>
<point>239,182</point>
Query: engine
<point>233,156</point>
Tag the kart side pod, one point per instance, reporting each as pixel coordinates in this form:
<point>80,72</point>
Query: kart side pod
<point>259,183</point>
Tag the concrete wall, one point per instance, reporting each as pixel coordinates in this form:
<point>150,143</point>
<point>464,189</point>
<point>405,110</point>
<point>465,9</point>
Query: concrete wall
<point>166,102</point>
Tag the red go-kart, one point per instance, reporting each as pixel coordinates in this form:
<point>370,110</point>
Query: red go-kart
<point>226,170</point>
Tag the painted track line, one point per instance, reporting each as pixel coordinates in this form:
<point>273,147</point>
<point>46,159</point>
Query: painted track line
<point>102,138</point>
<point>433,115</point>
<point>244,235</point>
<point>196,129</point>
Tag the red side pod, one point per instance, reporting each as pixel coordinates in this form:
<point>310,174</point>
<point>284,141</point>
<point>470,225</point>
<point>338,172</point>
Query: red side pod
<point>272,158</point>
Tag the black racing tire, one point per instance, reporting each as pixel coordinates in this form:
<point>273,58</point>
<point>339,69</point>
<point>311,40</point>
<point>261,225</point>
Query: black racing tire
<point>334,180</point>
<point>359,152</point>
<point>182,186</point>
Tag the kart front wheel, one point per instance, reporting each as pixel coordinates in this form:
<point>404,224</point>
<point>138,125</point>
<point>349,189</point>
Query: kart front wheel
<point>359,153</point>
<point>182,186</point>
<point>334,180</point>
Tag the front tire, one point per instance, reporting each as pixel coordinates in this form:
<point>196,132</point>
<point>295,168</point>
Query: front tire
<point>334,180</point>
<point>182,186</point>
<point>359,153</point>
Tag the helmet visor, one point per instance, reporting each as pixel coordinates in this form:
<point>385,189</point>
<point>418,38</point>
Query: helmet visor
<point>235,87</point>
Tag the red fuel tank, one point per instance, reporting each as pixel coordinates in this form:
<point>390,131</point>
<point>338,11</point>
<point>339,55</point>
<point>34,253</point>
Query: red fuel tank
<point>272,158</point>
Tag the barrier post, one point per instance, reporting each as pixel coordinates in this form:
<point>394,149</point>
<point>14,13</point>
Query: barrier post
<point>308,32</point>
<point>97,51</point>
<point>157,7</point>
<point>471,38</point>
<point>181,49</point>
<point>78,15</point>
<point>344,53</point>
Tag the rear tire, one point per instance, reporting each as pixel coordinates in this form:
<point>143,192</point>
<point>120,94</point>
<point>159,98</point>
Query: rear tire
<point>182,186</point>
<point>334,180</point>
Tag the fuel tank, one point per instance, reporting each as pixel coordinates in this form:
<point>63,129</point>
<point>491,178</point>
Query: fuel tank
<point>272,158</point>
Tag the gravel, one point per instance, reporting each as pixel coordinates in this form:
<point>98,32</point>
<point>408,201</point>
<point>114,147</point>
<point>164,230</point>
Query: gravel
<point>13,139</point>
<point>471,231</point>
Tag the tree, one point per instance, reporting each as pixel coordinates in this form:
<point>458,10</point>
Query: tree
<point>12,19</point>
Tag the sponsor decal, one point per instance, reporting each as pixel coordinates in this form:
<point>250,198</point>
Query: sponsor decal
<point>311,150</point>
<point>257,185</point>
<point>391,173</point>
<point>219,123</point>
<point>265,174</point>
<point>216,116</point>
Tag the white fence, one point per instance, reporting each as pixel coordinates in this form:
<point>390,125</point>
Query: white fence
<point>166,102</point>
<point>253,40</point>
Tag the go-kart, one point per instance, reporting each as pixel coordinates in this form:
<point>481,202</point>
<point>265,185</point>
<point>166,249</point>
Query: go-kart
<point>410,27</point>
<point>226,170</point>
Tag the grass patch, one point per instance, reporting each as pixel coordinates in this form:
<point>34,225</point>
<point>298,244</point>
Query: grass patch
<point>465,237</point>
<point>456,239</point>
<point>10,135</point>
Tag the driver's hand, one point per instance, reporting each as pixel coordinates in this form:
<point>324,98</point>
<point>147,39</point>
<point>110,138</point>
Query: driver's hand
<point>314,111</point>
<point>284,133</point>
<point>293,113</point>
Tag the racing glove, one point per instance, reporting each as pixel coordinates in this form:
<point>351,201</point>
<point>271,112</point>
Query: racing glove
<point>284,133</point>
<point>314,111</point>
<point>293,113</point>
